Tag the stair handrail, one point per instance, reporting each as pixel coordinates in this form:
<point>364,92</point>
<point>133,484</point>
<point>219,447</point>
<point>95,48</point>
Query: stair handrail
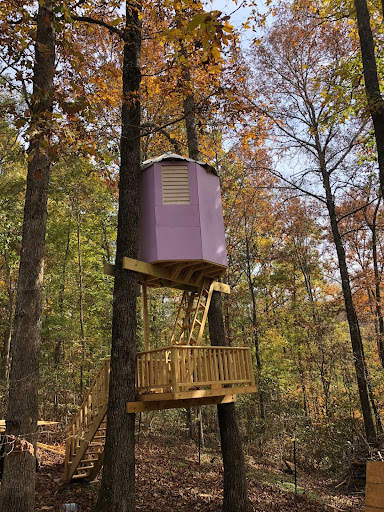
<point>103,373</point>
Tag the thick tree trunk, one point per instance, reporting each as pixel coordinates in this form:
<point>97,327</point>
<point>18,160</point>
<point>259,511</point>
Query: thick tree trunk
<point>17,492</point>
<point>235,483</point>
<point>353,323</point>
<point>190,121</point>
<point>117,491</point>
<point>372,87</point>
<point>6,349</point>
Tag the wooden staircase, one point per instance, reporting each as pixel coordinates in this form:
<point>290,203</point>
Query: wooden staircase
<point>192,316</point>
<point>84,453</point>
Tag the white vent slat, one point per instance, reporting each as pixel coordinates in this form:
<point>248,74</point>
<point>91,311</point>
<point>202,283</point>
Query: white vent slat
<point>175,184</point>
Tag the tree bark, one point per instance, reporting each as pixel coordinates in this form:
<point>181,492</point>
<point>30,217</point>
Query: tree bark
<point>6,350</point>
<point>235,482</point>
<point>353,323</point>
<point>372,86</point>
<point>17,492</point>
<point>117,491</point>
<point>256,340</point>
<point>378,308</point>
<point>81,305</point>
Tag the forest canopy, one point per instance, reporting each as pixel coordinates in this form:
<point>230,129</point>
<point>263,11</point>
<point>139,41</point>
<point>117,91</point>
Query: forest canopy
<point>292,123</point>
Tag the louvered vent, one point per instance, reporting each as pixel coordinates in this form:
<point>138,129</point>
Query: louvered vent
<point>175,184</point>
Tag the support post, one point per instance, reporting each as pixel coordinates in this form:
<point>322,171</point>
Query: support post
<point>145,316</point>
<point>175,369</point>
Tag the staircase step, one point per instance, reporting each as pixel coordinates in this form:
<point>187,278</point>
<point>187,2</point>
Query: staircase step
<point>77,476</point>
<point>84,468</point>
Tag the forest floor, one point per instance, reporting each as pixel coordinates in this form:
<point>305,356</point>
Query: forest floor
<point>169,478</point>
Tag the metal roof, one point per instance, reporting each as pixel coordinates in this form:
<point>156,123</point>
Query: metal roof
<point>172,156</point>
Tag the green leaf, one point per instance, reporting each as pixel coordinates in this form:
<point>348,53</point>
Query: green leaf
<point>196,21</point>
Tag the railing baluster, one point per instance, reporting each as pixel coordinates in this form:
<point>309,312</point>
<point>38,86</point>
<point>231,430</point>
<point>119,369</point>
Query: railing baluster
<point>194,376</point>
<point>243,364</point>
<point>175,368</point>
<point>221,365</point>
<point>225,358</point>
<point>200,364</point>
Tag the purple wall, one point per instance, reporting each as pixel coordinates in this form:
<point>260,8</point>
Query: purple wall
<point>147,245</point>
<point>211,217</point>
<point>192,231</point>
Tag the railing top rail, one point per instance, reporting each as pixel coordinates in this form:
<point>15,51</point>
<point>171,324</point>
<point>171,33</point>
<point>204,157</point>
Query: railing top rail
<point>194,347</point>
<point>162,349</point>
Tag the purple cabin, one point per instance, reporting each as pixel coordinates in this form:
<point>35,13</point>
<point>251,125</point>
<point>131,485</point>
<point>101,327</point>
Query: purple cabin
<point>181,212</point>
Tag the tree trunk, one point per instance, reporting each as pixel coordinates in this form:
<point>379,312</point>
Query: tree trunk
<point>372,87</point>
<point>353,323</point>
<point>60,339</point>
<point>378,309</point>
<point>235,483</point>
<point>81,305</point>
<point>6,350</point>
<point>256,340</point>
<point>117,491</point>
<point>17,492</point>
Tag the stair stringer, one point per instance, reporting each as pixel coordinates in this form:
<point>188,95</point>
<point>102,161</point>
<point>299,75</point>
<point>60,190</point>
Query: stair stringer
<point>96,467</point>
<point>84,442</point>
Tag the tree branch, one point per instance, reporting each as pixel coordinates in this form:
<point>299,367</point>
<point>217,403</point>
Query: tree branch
<point>87,19</point>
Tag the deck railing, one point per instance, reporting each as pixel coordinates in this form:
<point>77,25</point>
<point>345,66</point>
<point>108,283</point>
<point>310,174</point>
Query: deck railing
<point>96,399</point>
<point>179,368</point>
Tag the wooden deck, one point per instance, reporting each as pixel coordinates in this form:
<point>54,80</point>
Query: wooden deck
<point>171,377</point>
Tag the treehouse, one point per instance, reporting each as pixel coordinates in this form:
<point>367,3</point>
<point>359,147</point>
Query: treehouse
<point>182,246</point>
<point>181,216</point>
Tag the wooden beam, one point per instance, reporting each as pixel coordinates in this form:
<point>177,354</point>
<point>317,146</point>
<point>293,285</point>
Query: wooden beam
<point>109,269</point>
<point>221,287</point>
<point>145,316</point>
<point>200,393</point>
<point>49,448</point>
<point>175,279</point>
<point>178,404</point>
<point>197,393</point>
<point>152,270</point>
<point>41,423</point>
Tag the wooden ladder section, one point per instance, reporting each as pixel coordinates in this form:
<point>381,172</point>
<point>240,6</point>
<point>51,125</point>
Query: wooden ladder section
<point>192,316</point>
<point>84,454</point>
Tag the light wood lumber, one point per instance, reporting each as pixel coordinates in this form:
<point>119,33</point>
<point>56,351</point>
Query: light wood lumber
<point>178,404</point>
<point>145,316</point>
<point>375,472</point>
<point>173,277</point>
<point>374,495</point>
<point>198,393</point>
<point>49,448</point>
<point>41,423</point>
